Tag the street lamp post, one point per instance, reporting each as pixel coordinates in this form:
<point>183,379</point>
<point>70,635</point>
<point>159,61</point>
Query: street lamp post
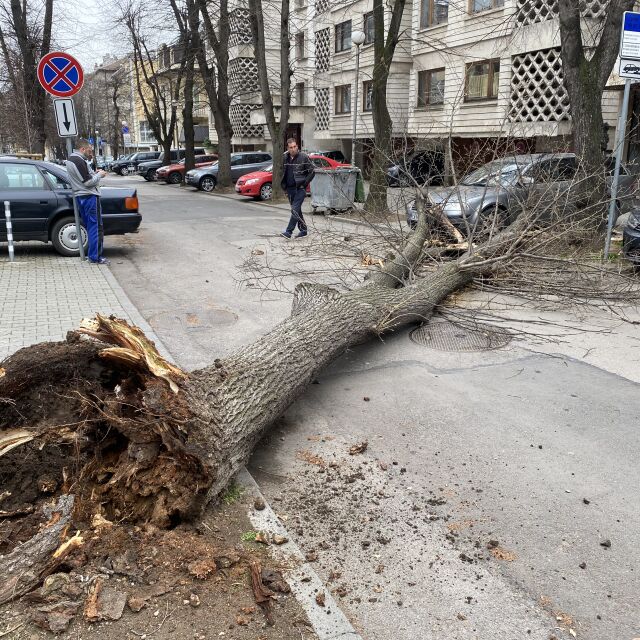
<point>358,38</point>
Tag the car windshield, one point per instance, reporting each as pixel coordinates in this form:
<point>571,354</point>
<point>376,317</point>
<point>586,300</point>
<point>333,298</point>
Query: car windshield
<point>492,174</point>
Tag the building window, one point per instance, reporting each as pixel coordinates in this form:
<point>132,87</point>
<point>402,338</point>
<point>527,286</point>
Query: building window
<point>343,99</point>
<point>430,87</point>
<point>433,12</point>
<point>300,54</point>
<point>367,95</point>
<point>368,28</point>
<point>300,94</point>
<point>343,36</point>
<point>482,80</point>
<point>475,6</point>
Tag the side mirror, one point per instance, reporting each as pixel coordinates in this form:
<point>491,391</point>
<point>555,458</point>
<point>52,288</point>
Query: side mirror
<point>527,181</point>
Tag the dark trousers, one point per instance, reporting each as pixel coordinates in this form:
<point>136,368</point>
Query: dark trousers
<point>296,198</point>
<point>91,214</point>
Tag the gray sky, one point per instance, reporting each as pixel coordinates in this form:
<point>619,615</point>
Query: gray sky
<point>84,29</point>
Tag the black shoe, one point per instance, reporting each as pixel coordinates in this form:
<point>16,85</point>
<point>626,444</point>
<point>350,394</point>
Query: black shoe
<point>302,234</point>
<point>284,234</point>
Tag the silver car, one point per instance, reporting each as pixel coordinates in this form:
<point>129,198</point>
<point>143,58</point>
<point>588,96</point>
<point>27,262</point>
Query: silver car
<point>494,190</point>
<point>206,178</point>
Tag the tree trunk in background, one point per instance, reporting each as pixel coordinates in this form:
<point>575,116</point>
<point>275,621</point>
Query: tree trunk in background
<point>384,47</point>
<point>585,79</point>
<point>216,82</point>
<point>277,125</point>
<point>187,115</point>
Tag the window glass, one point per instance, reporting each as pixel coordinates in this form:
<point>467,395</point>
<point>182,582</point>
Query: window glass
<point>237,160</point>
<point>483,79</point>
<point>343,36</point>
<point>484,5</point>
<point>320,162</point>
<point>343,99</point>
<point>58,183</point>
<point>368,28</point>
<point>21,176</point>
<point>433,12</point>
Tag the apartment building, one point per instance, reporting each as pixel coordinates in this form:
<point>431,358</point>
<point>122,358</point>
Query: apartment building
<point>486,73</point>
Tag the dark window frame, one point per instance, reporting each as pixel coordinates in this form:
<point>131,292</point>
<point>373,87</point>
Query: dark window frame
<point>338,91</point>
<point>300,46</point>
<point>427,17</point>
<point>423,99</point>
<point>301,90</point>
<point>491,62</point>
<point>368,17</point>
<point>341,37</point>
<point>367,88</point>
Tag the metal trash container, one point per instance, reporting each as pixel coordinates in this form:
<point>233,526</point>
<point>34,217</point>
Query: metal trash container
<point>334,190</point>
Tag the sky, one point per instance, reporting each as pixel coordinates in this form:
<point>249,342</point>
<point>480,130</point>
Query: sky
<point>85,29</point>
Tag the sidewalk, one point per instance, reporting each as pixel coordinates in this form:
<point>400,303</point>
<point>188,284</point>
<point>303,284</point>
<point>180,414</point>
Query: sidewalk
<point>42,296</point>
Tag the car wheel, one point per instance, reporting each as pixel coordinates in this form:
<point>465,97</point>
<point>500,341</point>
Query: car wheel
<point>150,175</point>
<point>266,191</point>
<point>123,171</point>
<point>64,237</point>
<point>208,184</point>
<point>174,178</point>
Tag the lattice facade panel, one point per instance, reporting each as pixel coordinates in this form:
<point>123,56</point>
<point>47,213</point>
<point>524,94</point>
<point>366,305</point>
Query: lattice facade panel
<point>322,6</point>
<point>243,75</point>
<point>531,11</point>
<point>240,116</point>
<point>321,109</point>
<point>323,49</point>
<point>537,89</point>
<point>239,27</point>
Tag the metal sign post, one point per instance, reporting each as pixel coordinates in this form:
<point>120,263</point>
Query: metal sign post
<point>7,215</point>
<point>628,68</point>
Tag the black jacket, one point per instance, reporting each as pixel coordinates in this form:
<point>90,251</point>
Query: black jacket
<point>303,170</point>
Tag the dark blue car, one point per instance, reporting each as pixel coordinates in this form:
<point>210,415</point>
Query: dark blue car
<point>42,206</point>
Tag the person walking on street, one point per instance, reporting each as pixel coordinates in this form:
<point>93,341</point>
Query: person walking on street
<point>85,184</point>
<point>297,173</point>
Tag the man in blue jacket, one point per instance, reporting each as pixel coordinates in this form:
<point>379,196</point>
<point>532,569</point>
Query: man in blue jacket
<point>85,184</point>
<point>297,173</point>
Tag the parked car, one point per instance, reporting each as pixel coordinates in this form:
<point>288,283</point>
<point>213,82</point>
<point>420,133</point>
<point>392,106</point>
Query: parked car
<point>631,238</point>
<point>242,163</point>
<point>336,155</point>
<point>103,162</point>
<point>129,165</point>
<point>258,184</point>
<point>174,173</point>
<point>421,167</point>
<point>148,169</point>
<point>42,205</point>
<point>498,187</point>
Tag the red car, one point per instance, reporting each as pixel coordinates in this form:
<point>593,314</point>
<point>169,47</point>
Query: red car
<point>258,184</point>
<point>174,173</point>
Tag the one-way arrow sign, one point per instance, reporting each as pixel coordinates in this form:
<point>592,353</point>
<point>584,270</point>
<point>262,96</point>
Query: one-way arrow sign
<point>65,117</point>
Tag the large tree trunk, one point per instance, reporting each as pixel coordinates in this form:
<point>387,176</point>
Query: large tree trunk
<point>277,125</point>
<point>216,82</point>
<point>384,48</point>
<point>585,78</point>
<point>187,116</point>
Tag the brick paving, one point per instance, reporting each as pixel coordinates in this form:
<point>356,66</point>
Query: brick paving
<point>43,295</point>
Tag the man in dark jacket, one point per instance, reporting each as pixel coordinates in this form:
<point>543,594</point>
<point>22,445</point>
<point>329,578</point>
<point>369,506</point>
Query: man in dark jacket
<point>296,175</point>
<point>85,184</point>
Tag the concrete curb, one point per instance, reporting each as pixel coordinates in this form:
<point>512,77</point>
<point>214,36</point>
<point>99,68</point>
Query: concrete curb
<point>329,623</point>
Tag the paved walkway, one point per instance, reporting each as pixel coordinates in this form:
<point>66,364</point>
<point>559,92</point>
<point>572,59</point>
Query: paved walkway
<point>42,296</point>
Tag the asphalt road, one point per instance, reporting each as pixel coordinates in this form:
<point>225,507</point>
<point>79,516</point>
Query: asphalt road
<point>498,493</point>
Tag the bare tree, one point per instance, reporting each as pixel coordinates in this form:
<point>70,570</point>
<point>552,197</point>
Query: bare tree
<point>25,36</point>
<point>384,47</point>
<point>158,78</point>
<point>216,77</point>
<point>273,84</point>
<point>587,67</point>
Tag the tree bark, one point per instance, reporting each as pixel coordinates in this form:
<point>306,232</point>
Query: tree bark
<point>585,80</point>
<point>187,115</point>
<point>216,82</point>
<point>277,125</point>
<point>384,48</point>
